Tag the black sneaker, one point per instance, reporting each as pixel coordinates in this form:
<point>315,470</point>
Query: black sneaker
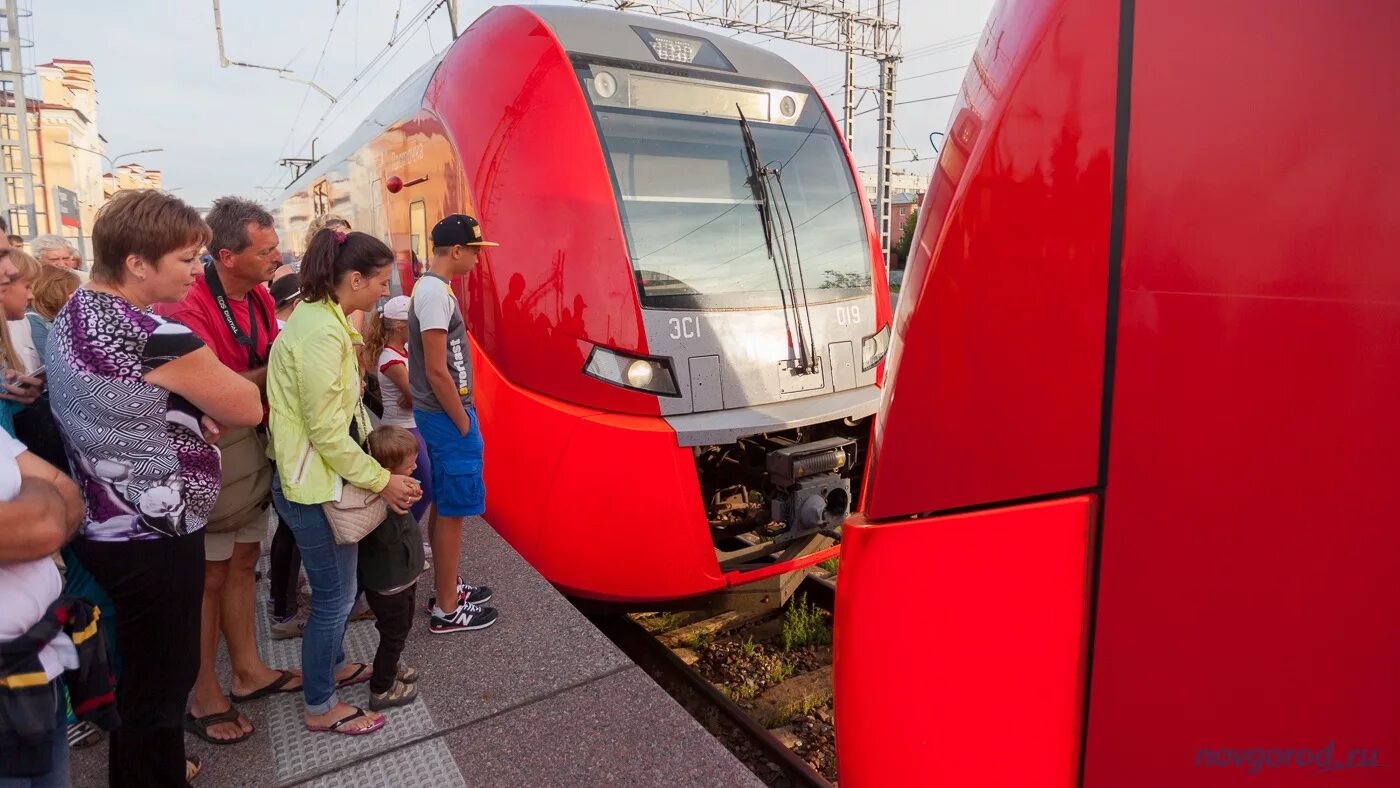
<point>476,595</point>
<point>467,616</point>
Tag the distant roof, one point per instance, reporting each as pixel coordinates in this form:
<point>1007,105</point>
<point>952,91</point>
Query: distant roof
<point>7,99</point>
<point>66,60</point>
<point>906,197</point>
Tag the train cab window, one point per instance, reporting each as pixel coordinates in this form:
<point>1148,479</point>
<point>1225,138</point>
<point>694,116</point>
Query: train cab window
<point>418,229</point>
<point>694,232</point>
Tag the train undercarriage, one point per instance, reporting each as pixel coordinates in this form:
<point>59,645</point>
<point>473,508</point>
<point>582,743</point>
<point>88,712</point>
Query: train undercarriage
<point>776,497</point>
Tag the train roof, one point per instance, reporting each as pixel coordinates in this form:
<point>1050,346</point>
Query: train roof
<point>584,30</point>
<point>589,30</point>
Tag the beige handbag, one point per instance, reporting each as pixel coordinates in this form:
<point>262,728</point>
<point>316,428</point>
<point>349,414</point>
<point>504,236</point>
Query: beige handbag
<point>358,511</point>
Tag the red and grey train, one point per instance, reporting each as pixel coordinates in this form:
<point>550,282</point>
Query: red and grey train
<point>678,344</point>
<point>1131,516</point>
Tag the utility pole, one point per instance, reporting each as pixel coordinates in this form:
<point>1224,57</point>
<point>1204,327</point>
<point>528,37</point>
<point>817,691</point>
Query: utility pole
<point>848,93</point>
<point>886,152</point>
<point>16,164</point>
<point>856,28</point>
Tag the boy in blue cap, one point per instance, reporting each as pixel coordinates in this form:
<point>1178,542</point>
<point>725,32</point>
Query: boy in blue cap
<point>440,382</point>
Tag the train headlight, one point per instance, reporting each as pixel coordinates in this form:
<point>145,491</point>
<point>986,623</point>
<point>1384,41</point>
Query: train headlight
<point>874,347</point>
<point>652,375</point>
<point>604,84</point>
<point>639,374</point>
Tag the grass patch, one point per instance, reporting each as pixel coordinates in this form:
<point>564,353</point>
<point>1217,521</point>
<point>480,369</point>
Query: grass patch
<point>744,690</point>
<point>663,622</point>
<point>779,671</point>
<point>750,648</point>
<point>804,624</point>
<point>830,565</point>
<point>699,640</point>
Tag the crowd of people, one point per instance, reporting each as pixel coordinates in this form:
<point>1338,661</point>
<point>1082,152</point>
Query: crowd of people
<point>158,415</point>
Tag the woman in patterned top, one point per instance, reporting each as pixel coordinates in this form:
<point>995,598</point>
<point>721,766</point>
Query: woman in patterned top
<point>140,400</point>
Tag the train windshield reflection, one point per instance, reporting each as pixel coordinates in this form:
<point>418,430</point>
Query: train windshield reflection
<point>693,230</point>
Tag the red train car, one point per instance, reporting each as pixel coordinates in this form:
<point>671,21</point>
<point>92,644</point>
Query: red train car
<point>1131,517</point>
<point>678,342</point>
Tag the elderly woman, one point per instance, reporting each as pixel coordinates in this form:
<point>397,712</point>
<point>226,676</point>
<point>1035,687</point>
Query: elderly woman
<point>318,425</point>
<point>138,399</point>
<point>54,250</point>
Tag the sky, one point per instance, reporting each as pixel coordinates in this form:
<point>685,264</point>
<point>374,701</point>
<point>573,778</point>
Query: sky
<point>160,85</point>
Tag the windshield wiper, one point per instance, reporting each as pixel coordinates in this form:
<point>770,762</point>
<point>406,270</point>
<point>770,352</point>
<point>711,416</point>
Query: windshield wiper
<point>777,228</point>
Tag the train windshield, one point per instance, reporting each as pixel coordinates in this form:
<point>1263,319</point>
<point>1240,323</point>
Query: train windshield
<point>694,231</point>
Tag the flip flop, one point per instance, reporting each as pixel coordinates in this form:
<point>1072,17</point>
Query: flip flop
<point>334,727</point>
<point>199,726</point>
<point>193,766</point>
<point>278,684</point>
<point>360,676</point>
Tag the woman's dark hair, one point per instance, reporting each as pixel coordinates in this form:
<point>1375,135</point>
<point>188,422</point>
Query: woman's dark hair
<point>331,255</point>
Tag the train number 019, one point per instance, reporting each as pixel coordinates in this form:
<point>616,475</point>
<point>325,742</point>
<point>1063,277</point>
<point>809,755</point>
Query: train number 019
<point>685,327</point>
<point>848,315</point>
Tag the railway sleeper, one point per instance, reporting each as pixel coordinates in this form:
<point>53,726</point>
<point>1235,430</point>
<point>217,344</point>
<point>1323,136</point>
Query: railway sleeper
<point>796,696</point>
<point>712,627</point>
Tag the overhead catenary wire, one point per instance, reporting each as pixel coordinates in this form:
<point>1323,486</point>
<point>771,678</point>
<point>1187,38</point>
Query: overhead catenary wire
<point>910,101</point>
<point>868,68</point>
<point>291,130</point>
<point>334,111</point>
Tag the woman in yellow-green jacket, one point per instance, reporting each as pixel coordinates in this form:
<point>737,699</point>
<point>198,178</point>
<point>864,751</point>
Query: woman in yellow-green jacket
<point>313,393</point>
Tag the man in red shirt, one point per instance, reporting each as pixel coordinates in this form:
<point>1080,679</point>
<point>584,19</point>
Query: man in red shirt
<point>231,310</point>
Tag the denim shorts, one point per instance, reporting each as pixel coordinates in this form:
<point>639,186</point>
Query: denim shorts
<point>458,487</point>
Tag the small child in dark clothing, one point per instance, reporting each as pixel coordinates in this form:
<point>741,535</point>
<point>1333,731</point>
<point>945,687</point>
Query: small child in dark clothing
<point>391,559</point>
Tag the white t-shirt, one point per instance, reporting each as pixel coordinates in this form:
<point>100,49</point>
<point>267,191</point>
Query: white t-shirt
<point>389,391</point>
<point>27,589</point>
<point>22,337</point>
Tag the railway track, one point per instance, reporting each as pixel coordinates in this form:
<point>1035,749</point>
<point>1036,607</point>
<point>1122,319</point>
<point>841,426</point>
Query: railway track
<point>759,682</point>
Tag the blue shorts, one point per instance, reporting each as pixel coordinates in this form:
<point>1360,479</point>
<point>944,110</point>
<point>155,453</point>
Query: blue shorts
<point>458,488</point>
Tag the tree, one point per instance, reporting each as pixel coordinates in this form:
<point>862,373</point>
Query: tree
<point>900,251</point>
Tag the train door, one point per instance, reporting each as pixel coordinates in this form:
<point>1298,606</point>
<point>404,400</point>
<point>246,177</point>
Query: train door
<point>411,264</point>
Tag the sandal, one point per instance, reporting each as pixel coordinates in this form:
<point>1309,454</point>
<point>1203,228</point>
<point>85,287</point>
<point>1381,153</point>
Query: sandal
<point>400,694</point>
<point>360,676</point>
<point>334,727</point>
<point>199,726</point>
<point>192,768</point>
<point>407,674</point>
<point>278,684</point>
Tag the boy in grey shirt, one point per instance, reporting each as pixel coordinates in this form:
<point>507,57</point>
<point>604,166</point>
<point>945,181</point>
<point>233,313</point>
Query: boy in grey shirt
<point>440,382</point>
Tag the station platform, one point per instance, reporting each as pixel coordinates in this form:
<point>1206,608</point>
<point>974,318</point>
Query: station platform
<point>541,698</point>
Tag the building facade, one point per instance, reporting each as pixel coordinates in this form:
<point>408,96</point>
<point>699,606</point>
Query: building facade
<point>69,150</point>
<point>130,176</point>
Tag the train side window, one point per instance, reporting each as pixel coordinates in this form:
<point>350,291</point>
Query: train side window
<point>418,230</point>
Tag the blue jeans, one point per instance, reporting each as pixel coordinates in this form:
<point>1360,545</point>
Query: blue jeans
<point>58,771</point>
<point>330,568</point>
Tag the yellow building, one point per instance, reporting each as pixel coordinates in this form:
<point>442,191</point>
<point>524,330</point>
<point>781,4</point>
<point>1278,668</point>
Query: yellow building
<point>69,151</point>
<point>129,176</point>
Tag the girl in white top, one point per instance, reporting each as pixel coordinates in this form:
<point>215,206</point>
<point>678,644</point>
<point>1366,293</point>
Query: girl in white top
<point>384,351</point>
